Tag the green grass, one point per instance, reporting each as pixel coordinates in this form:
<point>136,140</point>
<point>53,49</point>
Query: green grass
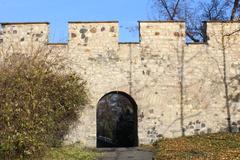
<point>218,146</point>
<point>211,146</point>
<point>72,152</point>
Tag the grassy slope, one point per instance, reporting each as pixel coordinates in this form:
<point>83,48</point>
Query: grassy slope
<point>205,147</point>
<point>212,146</point>
<point>71,152</point>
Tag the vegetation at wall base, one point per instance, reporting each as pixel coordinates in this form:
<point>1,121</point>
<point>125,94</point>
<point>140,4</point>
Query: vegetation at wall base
<point>71,152</point>
<point>39,99</point>
<point>217,146</point>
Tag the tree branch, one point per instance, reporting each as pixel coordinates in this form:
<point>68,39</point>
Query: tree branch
<point>167,9</point>
<point>175,9</point>
<point>192,37</point>
<point>234,10</point>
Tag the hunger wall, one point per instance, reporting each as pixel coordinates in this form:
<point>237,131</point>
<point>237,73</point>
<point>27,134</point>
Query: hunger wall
<point>180,88</point>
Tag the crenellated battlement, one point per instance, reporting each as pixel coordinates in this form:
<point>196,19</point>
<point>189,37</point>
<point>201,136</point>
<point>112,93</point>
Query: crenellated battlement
<point>86,33</point>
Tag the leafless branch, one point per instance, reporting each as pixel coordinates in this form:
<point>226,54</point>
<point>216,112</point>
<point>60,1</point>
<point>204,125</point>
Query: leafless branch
<point>234,9</point>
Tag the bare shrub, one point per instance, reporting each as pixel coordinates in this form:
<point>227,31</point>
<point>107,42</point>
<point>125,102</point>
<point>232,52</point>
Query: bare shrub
<point>39,98</point>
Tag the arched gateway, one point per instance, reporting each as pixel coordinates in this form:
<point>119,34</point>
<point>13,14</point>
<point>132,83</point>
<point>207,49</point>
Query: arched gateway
<point>117,121</point>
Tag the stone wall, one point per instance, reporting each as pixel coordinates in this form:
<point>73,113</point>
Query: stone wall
<point>178,87</point>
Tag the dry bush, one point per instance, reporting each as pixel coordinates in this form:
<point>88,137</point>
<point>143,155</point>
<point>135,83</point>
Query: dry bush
<point>39,99</point>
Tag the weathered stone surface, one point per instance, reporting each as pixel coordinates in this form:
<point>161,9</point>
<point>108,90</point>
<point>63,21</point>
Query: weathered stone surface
<point>93,30</point>
<point>73,35</point>
<point>151,71</point>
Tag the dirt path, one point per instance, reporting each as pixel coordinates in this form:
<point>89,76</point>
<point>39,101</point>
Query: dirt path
<point>125,154</point>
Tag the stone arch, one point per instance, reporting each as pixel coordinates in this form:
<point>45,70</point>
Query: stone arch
<point>117,122</point>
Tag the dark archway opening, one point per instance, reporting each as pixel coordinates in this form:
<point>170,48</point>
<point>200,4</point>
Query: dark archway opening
<point>117,121</point>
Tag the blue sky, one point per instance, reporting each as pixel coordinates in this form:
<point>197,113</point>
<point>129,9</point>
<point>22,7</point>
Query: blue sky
<point>59,12</point>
